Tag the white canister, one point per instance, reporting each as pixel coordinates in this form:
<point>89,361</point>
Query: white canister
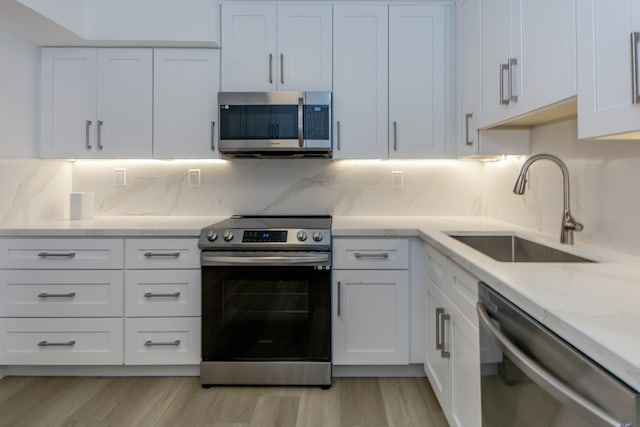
<point>81,205</point>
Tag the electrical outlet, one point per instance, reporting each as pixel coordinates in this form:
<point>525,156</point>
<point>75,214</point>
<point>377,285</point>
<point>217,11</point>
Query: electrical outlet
<point>397,179</point>
<point>194,178</point>
<point>120,177</point>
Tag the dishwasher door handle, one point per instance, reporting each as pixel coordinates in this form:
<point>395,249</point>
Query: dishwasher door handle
<point>543,378</point>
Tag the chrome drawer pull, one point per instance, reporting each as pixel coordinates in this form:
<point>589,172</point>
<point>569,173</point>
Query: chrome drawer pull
<point>48,295</point>
<point>150,343</point>
<point>57,255</point>
<point>383,255</point>
<point>162,254</point>
<point>57,344</point>
<point>152,295</point>
<point>444,353</point>
<point>439,313</point>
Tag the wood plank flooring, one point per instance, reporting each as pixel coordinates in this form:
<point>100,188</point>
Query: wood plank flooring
<point>180,401</point>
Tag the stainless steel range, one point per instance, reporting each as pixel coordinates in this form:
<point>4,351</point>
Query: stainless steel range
<point>266,301</point>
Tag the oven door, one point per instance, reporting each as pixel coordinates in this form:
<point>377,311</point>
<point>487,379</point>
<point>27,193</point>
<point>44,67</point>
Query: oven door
<point>266,307</point>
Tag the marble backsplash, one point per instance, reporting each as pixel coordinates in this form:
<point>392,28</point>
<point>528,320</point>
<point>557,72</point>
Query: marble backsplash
<point>283,187</point>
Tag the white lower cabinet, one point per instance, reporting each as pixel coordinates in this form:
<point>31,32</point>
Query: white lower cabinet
<point>162,341</point>
<point>452,340</point>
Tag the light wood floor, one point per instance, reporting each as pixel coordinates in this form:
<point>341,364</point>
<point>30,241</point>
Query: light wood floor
<point>180,401</point>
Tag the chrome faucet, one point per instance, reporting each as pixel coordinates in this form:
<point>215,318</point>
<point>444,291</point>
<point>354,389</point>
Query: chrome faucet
<point>569,224</point>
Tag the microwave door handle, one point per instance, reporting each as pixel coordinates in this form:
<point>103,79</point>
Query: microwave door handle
<point>300,122</point>
<point>546,380</point>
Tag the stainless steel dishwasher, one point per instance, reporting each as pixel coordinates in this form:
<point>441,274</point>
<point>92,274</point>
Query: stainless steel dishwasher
<point>531,377</point>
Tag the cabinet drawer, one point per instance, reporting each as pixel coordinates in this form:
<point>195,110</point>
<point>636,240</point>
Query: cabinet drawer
<point>61,341</point>
<point>57,293</point>
<point>63,253</point>
<point>368,254</point>
<point>162,253</point>
<point>162,341</point>
<point>437,266</point>
<point>464,292</point>
<point>162,293</point>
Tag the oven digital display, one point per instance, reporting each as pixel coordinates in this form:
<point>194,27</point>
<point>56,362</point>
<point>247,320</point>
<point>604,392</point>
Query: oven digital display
<point>264,236</point>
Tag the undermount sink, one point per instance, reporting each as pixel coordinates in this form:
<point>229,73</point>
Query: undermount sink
<point>511,248</point>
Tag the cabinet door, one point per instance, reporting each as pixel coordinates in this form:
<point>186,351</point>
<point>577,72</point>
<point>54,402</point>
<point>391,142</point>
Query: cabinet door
<point>465,372</point>
<point>125,103</point>
<point>248,47</point>
<point>304,48</point>
<point>606,96</point>
<point>185,95</point>
<point>436,366</point>
<point>420,82</point>
<point>468,45</point>
<point>495,33</point>
<point>371,317</point>
<point>360,90</point>
<point>68,104</point>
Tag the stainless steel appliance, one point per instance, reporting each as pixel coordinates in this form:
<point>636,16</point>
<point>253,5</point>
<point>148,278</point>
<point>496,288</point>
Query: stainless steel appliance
<point>266,301</point>
<point>531,377</point>
<point>275,124</point>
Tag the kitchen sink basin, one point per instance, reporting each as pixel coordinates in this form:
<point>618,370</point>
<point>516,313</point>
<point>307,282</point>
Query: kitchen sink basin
<point>511,248</point>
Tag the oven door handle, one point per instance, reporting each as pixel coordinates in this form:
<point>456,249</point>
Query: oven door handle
<point>546,380</point>
<point>209,260</point>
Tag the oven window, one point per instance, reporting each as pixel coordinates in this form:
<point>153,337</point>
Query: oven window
<point>266,313</point>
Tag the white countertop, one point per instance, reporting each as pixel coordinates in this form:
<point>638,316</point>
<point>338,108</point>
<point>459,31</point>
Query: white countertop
<point>594,306</point>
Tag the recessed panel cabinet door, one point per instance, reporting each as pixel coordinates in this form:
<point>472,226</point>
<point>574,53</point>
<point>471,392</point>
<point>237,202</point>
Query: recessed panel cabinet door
<point>420,82</point>
<point>186,86</point>
<point>68,104</point>
<point>360,79</point>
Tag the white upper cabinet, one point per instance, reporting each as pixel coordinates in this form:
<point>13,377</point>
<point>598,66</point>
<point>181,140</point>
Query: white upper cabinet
<point>608,95</point>
<point>267,47</point>
<point>527,59</point>
<point>420,82</point>
<point>360,81</point>
<point>96,103</point>
<point>186,85</point>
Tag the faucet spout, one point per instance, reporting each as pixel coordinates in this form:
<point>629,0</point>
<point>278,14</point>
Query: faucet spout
<point>569,224</point>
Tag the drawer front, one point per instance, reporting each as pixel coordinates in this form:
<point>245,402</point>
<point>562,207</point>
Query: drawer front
<point>162,253</point>
<point>61,341</point>
<point>162,341</point>
<point>65,253</point>
<point>162,293</point>
<point>58,293</point>
<point>437,267</point>
<point>464,292</point>
<point>367,254</point>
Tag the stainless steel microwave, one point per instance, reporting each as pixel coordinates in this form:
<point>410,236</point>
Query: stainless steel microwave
<point>275,124</point>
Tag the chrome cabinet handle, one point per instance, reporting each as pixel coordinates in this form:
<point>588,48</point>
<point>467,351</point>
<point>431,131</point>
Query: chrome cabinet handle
<point>439,313</point>
<point>168,295</point>
<point>444,353</point>
<point>213,136</point>
<point>382,255</point>
<point>57,344</point>
<point>395,136</point>
<point>467,117</point>
<point>162,254</point>
<point>48,295</point>
<point>87,126</point>
<point>635,98</point>
<point>57,254</point>
<point>543,378</point>
<point>339,297</point>
<point>503,68</point>
<point>338,133</point>
<point>282,68</point>
<point>512,64</point>
<point>271,68</point>
<point>150,343</point>
<point>300,122</point>
<point>100,123</point>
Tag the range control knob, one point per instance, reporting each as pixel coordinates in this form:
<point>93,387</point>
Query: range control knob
<point>227,235</point>
<point>212,235</point>
<point>302,236</point>
<point>317,236</point>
